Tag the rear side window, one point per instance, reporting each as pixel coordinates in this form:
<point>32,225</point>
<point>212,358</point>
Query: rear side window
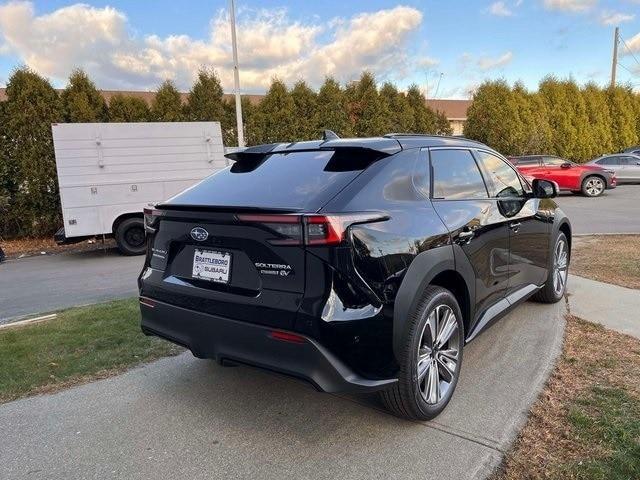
<point>456,175</point>
<point>608,161</point>
<point>503,180</point>
<point>554,161</point>
<point>295,180</point>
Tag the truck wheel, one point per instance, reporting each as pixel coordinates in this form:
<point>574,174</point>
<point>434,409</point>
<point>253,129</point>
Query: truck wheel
<point>130,237</point>
<point>593,186</point>
<point>430,359</point>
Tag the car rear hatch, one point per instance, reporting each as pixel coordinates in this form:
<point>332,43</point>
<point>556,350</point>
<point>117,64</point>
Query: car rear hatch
<point>233,245</point>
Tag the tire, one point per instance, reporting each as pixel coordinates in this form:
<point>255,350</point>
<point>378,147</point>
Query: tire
<point>593,186</point>
<point>130,237</point>
<point>412,398</point>
<point>558,273</point>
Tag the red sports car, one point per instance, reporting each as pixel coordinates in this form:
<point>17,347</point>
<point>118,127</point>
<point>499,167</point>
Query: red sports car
<point>591,180</point>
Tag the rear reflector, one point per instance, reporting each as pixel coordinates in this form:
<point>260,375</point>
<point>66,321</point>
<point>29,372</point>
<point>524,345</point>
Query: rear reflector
<point>147,302</point>
<point>287,336</point>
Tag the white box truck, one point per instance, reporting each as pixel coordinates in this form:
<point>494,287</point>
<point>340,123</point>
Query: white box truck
<point>108,172</point>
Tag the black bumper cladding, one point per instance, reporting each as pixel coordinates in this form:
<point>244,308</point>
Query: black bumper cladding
<point>209,336</point>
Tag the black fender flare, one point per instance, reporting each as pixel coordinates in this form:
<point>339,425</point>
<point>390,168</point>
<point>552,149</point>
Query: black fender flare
<point>560,219</point>
<point>423,269</point>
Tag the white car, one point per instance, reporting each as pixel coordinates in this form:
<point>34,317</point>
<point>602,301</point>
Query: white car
<point>626,166</point>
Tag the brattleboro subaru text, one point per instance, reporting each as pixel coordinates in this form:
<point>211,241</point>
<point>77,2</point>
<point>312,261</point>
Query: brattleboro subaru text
<point>357,265</point>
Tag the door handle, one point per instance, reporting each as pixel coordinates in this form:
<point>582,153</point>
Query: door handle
<point>514,226</point>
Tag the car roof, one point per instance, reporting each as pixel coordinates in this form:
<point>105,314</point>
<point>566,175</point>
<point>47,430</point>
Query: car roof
<point>388,144</point>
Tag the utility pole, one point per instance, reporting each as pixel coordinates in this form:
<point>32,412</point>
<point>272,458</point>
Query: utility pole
<point>614,63</point>
<point>236,74</point>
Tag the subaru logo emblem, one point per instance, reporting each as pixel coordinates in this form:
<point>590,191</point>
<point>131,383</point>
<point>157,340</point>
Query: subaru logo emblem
<point>199,234</point>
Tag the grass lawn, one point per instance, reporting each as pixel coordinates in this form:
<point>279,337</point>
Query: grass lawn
<point>586,423</point>
<point>608,258</point>
<point>81,344</point>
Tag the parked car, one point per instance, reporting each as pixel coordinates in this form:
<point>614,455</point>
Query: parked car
<point>591,180</point>
<point>635,150</point>
<point>625,165</point>
<point>358,265</point>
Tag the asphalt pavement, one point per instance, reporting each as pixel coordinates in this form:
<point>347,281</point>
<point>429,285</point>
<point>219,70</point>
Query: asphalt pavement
<point>46,283</point>
<point>616,211</point>
<point>182,417</point>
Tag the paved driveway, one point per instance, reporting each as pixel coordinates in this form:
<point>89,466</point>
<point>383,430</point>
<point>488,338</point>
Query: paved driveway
<point>184,418</point>
<point>616,211</point>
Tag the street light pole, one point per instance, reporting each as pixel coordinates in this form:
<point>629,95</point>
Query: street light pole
<point>236,74</point>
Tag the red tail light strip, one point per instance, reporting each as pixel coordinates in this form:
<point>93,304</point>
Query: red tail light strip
<point>287,337</point>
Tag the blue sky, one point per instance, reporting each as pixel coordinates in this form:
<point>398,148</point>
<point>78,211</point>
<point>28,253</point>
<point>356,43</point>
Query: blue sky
<point>136,44</point>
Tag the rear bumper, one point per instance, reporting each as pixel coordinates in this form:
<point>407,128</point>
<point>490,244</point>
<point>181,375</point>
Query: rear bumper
<point>210,336</point>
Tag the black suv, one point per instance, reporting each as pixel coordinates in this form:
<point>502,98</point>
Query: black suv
<point>357,265</point>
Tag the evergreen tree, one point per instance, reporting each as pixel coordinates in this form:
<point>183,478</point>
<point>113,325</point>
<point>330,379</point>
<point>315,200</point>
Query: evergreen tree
<point>532,133</point>
<point>598,136</point>
<point>492,117</point>
<point>565,134</point>
<point>331,112</point>
<point>8,174</point>
<point>623,118</point>
<point>400,116</point>
<point>442,126</point>
<point>126,108</point>
<point>166,106</point>
<point>274,120</point>
<point>81,100</point>
<point>583,145</point>
<point>32,106</point>
<point>424,119</point>
<point>305,104</point>
<point>370,113</point>
<point>204,102</point>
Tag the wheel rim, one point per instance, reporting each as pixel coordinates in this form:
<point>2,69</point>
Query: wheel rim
<point>438,354</point>
<point>134,237</point>
<point>594,186</point>
<point>560,267</point>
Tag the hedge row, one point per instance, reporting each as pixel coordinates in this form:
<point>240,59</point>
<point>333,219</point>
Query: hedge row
<point>559,119</point>
<point>29,197</point>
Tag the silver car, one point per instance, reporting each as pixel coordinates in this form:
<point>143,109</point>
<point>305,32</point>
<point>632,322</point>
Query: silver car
<point>626,166</point>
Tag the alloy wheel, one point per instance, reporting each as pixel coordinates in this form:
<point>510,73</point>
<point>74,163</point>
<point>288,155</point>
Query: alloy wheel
<point>438,354</point>
<point>594,186</point>
<point>560,267</point>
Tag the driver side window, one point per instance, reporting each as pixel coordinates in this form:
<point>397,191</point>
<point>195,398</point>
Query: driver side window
<point>503,180</point>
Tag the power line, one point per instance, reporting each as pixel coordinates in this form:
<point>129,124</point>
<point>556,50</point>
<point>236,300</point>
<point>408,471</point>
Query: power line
<point>630,51</point>
<point>627,69</point>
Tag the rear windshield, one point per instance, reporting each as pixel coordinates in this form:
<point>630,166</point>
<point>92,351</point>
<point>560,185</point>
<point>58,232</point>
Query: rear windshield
<point>294,181</point>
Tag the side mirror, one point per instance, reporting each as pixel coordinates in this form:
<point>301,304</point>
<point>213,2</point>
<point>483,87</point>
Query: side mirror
<point>566,165</point>
<point>544,188</point>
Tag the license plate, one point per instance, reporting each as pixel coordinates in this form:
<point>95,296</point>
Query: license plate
<point>211,265</point>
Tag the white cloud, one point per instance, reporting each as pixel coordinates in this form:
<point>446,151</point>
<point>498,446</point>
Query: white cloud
<point>578,6</point>
<point>500,9</point>
<point>634,45</point>
<point>270,44</point>
<point>490,63</point>
<point>609,18</point>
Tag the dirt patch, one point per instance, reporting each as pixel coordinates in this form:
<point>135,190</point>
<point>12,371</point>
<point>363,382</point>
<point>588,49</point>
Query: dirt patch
<point>608,258</point>
<point>586,423</point>
<point>26,247</point>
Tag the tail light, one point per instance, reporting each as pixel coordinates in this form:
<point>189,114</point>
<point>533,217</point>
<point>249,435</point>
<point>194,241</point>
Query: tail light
<point>311,229</point>
<point>150,219</point>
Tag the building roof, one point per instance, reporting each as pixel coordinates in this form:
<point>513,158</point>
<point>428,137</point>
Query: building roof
<point>453,109</point>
